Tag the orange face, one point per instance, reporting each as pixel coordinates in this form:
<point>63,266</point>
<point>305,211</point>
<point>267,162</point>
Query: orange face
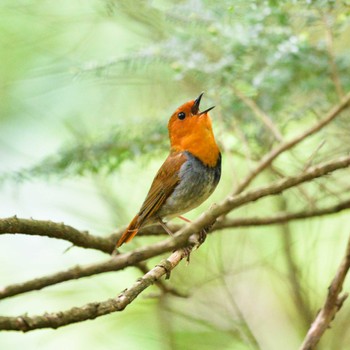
<point>191,130</point>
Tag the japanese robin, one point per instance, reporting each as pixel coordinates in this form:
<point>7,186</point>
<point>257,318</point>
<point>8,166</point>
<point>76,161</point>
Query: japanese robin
<point>188,176</point>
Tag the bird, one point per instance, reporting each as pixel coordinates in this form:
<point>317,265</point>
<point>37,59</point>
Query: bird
<point>188,176</point>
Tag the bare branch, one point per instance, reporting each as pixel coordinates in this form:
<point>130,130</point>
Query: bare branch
<point>332,305</point>
<point>277,187</point>
<point>54,230</point>
<point>90,311</point>
<point>269,157</point>
<point>83,239</point>
<point>165,288</point>
<point>282,217</point>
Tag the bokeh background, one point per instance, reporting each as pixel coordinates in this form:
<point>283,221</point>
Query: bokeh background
<point>86,90</point>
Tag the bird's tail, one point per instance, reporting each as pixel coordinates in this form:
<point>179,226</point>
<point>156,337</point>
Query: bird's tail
<point>130,232</point>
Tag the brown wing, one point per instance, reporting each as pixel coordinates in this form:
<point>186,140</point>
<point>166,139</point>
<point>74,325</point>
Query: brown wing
<point>162,186</point>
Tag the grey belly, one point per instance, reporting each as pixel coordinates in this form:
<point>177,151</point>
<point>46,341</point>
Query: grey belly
<point>197,183</point>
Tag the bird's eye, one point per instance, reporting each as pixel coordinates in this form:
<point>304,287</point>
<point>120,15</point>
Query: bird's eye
<point>181,115</point>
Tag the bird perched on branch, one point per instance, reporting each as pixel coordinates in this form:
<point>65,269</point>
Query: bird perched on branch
<point>188,176</point>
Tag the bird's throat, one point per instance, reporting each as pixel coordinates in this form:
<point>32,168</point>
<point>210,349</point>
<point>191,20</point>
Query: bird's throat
<point>202,145</point>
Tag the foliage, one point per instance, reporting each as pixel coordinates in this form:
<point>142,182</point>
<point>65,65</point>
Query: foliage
<point>96,156</point>
<point>273,52</point>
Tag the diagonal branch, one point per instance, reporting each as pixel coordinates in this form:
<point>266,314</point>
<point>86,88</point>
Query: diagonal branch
<point>332,305</point>
<point>282,147</point>
<point>259,113</point>
<point>277,187</point>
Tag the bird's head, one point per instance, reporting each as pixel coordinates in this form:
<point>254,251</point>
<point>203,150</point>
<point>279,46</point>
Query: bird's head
<point>191,130</point>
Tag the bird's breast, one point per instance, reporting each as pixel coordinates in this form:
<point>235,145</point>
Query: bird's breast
<point>197,183</point>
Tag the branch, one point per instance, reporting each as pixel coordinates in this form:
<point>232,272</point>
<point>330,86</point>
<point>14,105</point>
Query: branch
<point>107,244</point>
<point>68,233</point>
<point>181,238</point>
<point>282,217</point>
<point>332,305</point>
<point>277,187</point>
<point>118,262</point>
<point>83,239</point>
<point>269,157</point>
<point>259,113</point>
<point>164,288</point>
<point>279,218</point>
<point>54,230</point>
<point>90,311</point>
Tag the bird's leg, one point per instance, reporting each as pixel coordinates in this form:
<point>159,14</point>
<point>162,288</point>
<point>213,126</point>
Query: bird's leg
<point>186,250</point>
<point>184,219</point>
<point>202,235</point>
<point>165,263</point>
<point>165,227</point>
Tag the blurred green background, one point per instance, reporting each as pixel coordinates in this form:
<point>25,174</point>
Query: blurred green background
<point>86,90</point>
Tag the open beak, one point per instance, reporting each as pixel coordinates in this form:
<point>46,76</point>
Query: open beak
<point>206,111</point>
<point>195,107</point>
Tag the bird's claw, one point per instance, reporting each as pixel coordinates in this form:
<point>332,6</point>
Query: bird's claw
<point>202,235</point>
<point>186,253</point>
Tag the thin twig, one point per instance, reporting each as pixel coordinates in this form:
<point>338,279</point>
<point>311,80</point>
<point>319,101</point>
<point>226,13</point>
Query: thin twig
<point>274,153</point>
<point>244,329</point>
<point>334,301</point>
<point>260,114</point>
<point>293,269</point>
<point>301,189</point>
<point>277,187</point>
<point>282,217</point>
